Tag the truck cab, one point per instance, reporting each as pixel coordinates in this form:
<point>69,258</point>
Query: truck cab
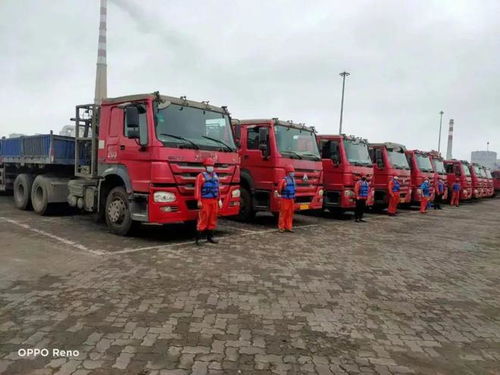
<point>345,159</point>
<point>389,160</point>
<point>437,162</point>
<point>490,189</point>
<point>421,169</point>
<point>266,147</point>
<point>140,160</point>
<point>478,181</point>
<point>459,168</point>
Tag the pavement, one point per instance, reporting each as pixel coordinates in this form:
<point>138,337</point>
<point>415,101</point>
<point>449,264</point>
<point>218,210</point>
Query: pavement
<point>413,294</point>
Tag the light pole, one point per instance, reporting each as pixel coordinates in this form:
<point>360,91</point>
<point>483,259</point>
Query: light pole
<point>343,75</point>
<point>440,124</point>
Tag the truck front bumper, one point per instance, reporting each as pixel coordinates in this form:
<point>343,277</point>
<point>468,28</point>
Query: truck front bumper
<point>184,208</point>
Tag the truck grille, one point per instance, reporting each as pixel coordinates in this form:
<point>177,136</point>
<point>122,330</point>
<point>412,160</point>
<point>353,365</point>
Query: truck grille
<point>185,175</point>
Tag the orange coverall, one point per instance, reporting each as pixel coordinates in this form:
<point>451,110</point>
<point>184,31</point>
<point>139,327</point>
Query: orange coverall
<point>286,209</point>
<point>207,215</point>
<point>455,195</point>
<point>393,198</point>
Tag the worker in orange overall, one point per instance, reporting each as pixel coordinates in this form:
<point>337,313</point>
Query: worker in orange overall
<point>286,191</point>
<point>207,193</point>
<point>393,189</point>
<point>455,193</point>
<point>361,191</point>
<point>425,196</point>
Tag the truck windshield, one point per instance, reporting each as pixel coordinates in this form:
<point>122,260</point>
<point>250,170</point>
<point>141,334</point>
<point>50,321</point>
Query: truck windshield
<point>482,173</point>
<point>438,166</point>
<point>488,173</point>
<point>398,159</point>
<point>476,170</point>
<point>423,162</point>
<point>466,169</point>
<point>296,143</point>
<point>188,127</point>
<point>357,153</point>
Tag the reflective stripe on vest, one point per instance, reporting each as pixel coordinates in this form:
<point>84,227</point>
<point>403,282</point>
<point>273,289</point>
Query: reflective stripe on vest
<point>288,191</point>
<point>210,187</point>
<point>396,186</point>
<point>363,189</point>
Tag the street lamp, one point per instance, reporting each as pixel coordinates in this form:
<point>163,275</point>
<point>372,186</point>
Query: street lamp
<point>440,125</point>
<point>343,75</point>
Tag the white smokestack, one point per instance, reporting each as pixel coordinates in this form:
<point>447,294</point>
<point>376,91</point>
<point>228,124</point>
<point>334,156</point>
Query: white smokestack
<point>450,141</point>
<point>101,80</point>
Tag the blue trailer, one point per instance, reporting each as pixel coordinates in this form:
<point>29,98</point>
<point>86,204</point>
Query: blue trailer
<point>37,169</point>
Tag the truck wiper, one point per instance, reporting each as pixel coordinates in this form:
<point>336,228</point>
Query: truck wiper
<point>293,153</point>
<point>219,141</point>
<point>316,157</point>
<point>196,147</point>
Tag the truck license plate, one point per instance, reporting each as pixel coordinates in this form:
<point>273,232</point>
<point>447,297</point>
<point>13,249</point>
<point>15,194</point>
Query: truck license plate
<point>304,207</point>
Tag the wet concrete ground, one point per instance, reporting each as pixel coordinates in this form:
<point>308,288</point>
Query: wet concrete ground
<point>410,294</point>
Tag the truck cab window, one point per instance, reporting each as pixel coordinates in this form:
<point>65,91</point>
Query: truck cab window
<point>379,159</point>
<point>143,123</point>
<point>253,138</point>
<point>325,149</point>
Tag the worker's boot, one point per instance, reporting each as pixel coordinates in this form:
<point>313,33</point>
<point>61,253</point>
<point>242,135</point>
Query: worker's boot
<point>210,237</point>
<point>198,238</point>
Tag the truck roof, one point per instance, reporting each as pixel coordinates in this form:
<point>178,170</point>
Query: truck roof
<point>276,121</point>
<point>165,101</point>
<point>390,145</point>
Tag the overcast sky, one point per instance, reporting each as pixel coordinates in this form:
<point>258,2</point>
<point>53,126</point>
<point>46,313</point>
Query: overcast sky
<point>408,60</point>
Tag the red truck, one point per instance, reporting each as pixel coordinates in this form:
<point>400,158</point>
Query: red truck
<point>459,168</point>
<point>490,188</point>
<point>437,162</point>
<point>133,159</point>
<point>389,160</point>
<point>478,181</point>
<point>496,180</point>
<point>266,147</point>
<point>345,160</point>
<point>421,169</point>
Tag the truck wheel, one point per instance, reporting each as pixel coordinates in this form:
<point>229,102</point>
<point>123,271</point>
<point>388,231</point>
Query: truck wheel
<point>117,214</point>
<point>22,191</point>
<point>39,195</point>
<point>247,212</point>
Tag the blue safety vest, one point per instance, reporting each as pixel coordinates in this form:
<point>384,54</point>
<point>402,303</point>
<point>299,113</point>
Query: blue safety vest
<point>396,187</point>
<point>363,189</point>
<point>426,191</point>
<point>210,188</point>
<point>456,186</point>
<point>288,191</point>
<point>440,187</point>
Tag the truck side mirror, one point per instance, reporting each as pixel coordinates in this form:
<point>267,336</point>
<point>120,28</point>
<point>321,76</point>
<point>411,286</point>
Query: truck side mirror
<point>133,128</point>
<point>263,141</point>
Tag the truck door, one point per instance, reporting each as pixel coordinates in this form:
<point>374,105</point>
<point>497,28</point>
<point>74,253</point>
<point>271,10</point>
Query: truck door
<point>381,177</point>
<point>124,149</point>
<point>255,159</point>
<point>332,171</point>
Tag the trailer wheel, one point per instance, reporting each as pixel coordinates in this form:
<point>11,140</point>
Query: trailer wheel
<point>247,212</point>
<point>117,214</point>
<point>39,195</point>
<point>22,191</point>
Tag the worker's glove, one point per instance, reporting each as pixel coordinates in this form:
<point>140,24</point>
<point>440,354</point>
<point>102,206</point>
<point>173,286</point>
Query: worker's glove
<point>220,203</point>
<point>199,204</point>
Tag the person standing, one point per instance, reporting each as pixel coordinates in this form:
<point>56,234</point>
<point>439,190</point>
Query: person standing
<point>455,193</point>
<point>439,194</point>
<point>425,189</point>
<point>361,190</point>
<point>207,193</point>
<point>286,191</point>
<point>393,190</point>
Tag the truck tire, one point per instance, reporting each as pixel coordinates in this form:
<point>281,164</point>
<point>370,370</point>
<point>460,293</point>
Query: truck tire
<point>117,213</point>
<point>247,212</point>
<point>40,196</point>
<point>22,191</point>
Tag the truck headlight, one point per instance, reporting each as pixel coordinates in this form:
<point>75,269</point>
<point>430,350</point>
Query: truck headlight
<point>163,197</point>
<point>235,193</point>
<point>348,193</point>
<point>320,192</point>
